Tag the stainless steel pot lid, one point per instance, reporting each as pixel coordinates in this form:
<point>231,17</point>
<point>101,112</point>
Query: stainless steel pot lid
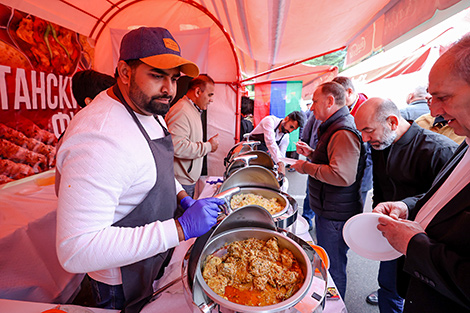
<point>258,158</point>
<point>241,147</point>
<point>247,216</point>
<point>253,176</point>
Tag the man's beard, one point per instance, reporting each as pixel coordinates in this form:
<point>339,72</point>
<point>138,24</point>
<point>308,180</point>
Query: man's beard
<point>148,104</point>
<point>388,138</point>
<point>283,130</point>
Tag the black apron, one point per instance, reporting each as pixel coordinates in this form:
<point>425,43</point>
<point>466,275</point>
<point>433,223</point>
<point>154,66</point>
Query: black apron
<point>260,137</point>
<point>160,204</point>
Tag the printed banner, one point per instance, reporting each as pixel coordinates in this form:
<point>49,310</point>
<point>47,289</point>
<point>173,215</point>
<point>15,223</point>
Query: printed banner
<point>37,61</point>
<point>278,98</point>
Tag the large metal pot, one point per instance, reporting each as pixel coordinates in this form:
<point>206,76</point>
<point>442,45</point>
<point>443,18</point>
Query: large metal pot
<point>218,243</point>
<point>266,193</point>
<point>259,180</point>
<point>282,219</point>
<point>247,222</point>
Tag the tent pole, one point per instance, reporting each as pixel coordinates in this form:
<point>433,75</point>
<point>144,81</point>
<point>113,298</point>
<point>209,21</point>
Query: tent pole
<point>238,115</point>
<point>290,65</point>
<point>237,62</point>
<point>333,68</point>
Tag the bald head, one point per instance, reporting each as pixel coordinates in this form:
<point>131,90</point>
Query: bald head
<point>380,122</point>
<point>377,110</point>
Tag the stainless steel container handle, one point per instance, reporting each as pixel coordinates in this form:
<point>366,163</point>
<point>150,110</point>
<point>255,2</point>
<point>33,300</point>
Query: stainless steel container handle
<point>251,144</point>
<point>246,158</point>
<point>226,195</point>
<point>207,307</point>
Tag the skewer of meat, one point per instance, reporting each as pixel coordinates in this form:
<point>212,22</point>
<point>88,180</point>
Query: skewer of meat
<point>31,144</point>
<point>9,150</point>
<point>5,179</point>
<point>15,170</point>
<point>31,130</point>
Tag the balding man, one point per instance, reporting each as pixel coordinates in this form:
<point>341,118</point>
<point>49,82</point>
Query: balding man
<point>417,104</point>
<point>185,125</point>
<point>335,170</point>
<point>406,159</point>
<point>433,232</point>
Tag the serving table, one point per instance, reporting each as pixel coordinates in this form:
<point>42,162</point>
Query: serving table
<point>32,279</point>
<point>29,266</point>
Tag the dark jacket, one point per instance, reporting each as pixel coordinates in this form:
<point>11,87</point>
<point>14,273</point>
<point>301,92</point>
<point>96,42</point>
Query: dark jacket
<point>334,202</point>
<point>408,167</point>
<point>437,264</point>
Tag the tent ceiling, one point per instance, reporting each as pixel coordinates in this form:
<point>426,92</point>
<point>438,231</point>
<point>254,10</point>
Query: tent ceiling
<point>264,34</point>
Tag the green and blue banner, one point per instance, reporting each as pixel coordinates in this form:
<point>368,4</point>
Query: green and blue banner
<point>278,98</point>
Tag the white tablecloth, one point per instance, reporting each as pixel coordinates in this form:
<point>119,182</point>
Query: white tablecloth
<point>29,266</point>
<point>14,306</point>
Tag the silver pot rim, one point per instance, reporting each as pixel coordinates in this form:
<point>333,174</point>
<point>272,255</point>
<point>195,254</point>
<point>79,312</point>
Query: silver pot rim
<point>260,190</point>
<point>219,241</point>
<point>282,219</point>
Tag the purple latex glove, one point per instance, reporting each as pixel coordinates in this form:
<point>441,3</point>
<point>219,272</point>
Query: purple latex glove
<point>186,202</point>
<point>200,217</point>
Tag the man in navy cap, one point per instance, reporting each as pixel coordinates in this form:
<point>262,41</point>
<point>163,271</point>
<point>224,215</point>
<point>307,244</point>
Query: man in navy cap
<point>116,187</point>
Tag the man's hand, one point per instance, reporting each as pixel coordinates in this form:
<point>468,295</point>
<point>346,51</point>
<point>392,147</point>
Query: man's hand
<point>281,168</point>
<point>395,209</point>
<point>399,232</point>
<point>186,202</point>
<point>303,148</point>
<point>299,166</point>
<point>214,142</point>
<point>199,217</point>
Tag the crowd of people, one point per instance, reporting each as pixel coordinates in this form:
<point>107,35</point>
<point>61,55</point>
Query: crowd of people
<point>128,161</point>
<point>420,179</point>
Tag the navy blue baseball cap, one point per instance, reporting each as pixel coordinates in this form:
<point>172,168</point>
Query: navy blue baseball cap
<point>155,46</point>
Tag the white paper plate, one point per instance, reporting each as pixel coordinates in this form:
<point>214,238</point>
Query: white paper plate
<point>301,225</point>
<point>70,308</point>
<point>362,236</point>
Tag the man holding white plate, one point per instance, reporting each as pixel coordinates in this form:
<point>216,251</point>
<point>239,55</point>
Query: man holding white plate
<point>405,160</point>
<point>433,232</point>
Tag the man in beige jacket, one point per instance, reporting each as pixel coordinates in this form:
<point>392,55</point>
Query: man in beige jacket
<point>185,125</point>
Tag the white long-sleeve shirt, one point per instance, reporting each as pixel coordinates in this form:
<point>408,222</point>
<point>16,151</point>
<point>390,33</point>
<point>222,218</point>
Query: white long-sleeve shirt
<point>267,126</point>
<point>106,168</point>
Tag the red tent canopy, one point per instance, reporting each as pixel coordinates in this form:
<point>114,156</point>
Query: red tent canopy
<point>243,41</point>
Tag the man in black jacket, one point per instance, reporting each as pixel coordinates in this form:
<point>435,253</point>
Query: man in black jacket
<point>406,159</point>
<point>433,232</point>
